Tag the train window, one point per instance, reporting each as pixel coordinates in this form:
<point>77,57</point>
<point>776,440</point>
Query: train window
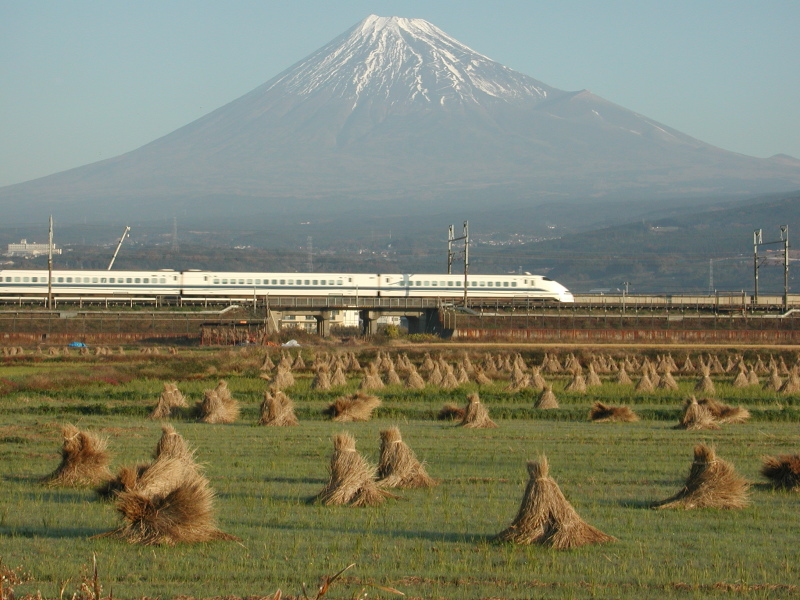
<point>216,282</point>
<point>8,279</point>
<point>339,282</point>
<point>505,284</point>
<point>449,284</point>
<point>490,284</point>
<point>102,280</point>
<point>458,284</point>
<point>69,280</point>
<point>137,280</point>
<point>434,284</point>
<point>26,279</point>
<point>417,283</point>
<point>249,282</point>
<point>34,279</point>
<point>258,282</point>
<point>283,281</point>
<point>146,280</point>
<point>241,282</point>
<point>163,280</point>
<point>291,282</point>
<point>94,279</point>
<point>274,282</point>
<point>513,284</point>
<point>483,284</point>
<point>426,283</point>
<point>128,280</point>
<point>224,282</point>
<point>60,280</point>
<point>314,282</point>
<point>307,282</point>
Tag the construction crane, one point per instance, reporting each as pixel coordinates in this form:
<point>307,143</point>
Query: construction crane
<point>113,258</point>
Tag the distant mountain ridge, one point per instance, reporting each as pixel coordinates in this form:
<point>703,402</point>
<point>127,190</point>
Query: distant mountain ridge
<point>394,112</point>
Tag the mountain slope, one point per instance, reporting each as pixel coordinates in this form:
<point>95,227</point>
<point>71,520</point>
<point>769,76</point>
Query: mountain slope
<point>395,109</point>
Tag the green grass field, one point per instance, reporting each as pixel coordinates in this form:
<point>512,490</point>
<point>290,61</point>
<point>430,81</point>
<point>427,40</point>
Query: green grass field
<point>434,543</point>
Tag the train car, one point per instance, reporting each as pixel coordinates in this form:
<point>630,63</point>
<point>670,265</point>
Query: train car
<point>205,284</point>
<point>90,283</point>
<point>480,286</point>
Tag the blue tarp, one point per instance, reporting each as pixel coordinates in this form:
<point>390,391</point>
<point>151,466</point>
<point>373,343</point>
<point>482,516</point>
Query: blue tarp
<point>77,345</point>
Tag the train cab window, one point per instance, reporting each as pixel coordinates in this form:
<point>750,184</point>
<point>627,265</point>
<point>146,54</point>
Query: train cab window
<point>546,279</point>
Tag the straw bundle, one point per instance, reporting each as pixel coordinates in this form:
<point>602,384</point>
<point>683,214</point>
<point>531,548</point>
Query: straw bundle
<point>537,381</point>
<point>774,383</point>
<point>476,415</point>
<point>277,410</point>
<point>170,398</point>
<point>355,407</point>
<point>644,385</point>
<point>705,385</point>
<point>451,412</point>
<point>181,511</point>
<point>414,380</point>
<point>712,483</point>
<point>84,459</point>
<point>696,416</point>
<point>783,471</point>
<point>722,413</point>
<point>593,379</point>
<point>792,383</point>
<point>740,380</point>
<point>547,399</point>
<point>298,364</point>
<point>283,378</point>
<point>398,465</point>
<point>322,378</point>
<point>172,444</point>
<point>752,377</point>
<point>218,406</point>
<point>462,376</point>
<point>352,479</point>
<point>267,365</point>
<point>578,384</point>
<point>449,381</point>
<point>435,376</point>
<point>667,382</point>
<point>392,378</point>
<point>602,413</point>
<point>622,376</point>
<point>546,517</point>
<point>339,379</point>
<point>481,377</point>
<point>427,364</point>
<point>372,379</point>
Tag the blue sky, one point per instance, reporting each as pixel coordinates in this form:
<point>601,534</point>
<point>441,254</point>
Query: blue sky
<point>86,80</point>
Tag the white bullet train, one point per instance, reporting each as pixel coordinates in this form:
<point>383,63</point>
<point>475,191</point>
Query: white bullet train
<point>193,284</point>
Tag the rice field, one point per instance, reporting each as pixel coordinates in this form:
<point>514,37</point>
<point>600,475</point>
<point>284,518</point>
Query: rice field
<point>428,543</point>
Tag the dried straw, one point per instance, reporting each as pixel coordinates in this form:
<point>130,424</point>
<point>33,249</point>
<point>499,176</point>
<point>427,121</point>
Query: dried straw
<point>354,407</point>
<point>84,460</point>
<point>783,471</point>
<point>696,416</point>
<point>723,413</point>
<point>476,415</point>
<point>547,399</point>
<point>352,479</point>
<point>277,410</point>
<point>547,518</point>
<point>602,413</point>
<point>712,483</point>
<point>398,465</point>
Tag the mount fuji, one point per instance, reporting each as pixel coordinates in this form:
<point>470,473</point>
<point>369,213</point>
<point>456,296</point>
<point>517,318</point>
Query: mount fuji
<point>396,113</point>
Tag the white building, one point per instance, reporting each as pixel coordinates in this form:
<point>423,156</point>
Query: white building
<point>32,249</point>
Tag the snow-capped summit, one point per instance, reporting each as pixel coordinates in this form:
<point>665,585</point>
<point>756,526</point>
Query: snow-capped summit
<point>395,113</point>
<point>405,60</point>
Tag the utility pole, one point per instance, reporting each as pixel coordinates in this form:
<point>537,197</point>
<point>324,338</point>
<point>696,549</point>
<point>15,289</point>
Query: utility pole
<point>785,238</point>
<point>50,266</point>
<point>450,239</point>
<point>119,245</point>
<point>756,241</point>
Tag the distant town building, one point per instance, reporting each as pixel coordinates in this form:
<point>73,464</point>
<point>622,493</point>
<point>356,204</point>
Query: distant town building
<point>32,249</point>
